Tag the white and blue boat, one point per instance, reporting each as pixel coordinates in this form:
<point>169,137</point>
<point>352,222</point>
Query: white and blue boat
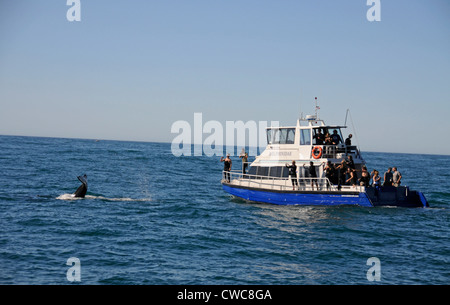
<point>268,178</point>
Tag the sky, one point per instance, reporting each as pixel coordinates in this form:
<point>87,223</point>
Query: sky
<point>128,70</point>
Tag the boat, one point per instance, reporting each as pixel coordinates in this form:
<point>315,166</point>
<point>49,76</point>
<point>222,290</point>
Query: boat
<point>268,178</point>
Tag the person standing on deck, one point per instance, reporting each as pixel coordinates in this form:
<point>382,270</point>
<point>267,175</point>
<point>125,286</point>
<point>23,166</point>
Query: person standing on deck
<point>293,173</point>
<point>348,141</point>
<point>320,137</point>
<point>312,175</point>
<point>226,167</point>
<point>336,138</point>
<point>351,174</point>
<point>388,177</point>
<point>244,158</point>
<point>330,173</point>
<point>376,179</point>
<point>396,177</point>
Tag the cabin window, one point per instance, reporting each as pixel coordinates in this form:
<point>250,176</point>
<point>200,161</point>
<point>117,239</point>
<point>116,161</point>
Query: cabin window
<point>305,136</point>
<point>252,170</point>
<point>262,171</point>
<point>273,171</point>
<point>276,136</point>
<point>284,172</point>
<point>281,136</point>
<point>269,136</point>
<point>290,136</point>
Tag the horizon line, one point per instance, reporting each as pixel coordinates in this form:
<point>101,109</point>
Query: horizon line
<point>163,142</point>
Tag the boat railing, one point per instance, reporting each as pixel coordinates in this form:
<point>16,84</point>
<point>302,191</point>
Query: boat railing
<point>279,183</point>
<point>332,151</point>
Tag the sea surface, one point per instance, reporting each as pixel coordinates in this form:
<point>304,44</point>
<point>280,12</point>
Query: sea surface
<point>152,218</point>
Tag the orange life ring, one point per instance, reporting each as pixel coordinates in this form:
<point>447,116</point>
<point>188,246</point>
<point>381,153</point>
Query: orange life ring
<point>317,152</point>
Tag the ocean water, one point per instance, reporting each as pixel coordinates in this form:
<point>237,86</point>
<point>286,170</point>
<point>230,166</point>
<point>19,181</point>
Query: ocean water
<point>152,218</point>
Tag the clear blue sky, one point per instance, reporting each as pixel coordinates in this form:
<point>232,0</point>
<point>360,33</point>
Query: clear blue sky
<point>130,69</point>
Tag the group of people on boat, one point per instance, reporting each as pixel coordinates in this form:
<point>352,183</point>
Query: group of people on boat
<point>330,139</point>
<point>330,143</point>
<point>345,173</point>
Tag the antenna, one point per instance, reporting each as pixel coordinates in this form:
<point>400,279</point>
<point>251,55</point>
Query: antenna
<point>346,115</point>
<point>353,126</point>
<point>317,109</point>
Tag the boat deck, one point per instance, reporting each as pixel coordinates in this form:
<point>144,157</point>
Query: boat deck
<point>319,185</point>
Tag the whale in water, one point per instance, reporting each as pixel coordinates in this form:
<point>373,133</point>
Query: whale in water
<point>82,189</point>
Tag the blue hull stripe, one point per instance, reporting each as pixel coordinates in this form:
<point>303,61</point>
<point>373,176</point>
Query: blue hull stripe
<point>298,198</point>
<point>423,200</point>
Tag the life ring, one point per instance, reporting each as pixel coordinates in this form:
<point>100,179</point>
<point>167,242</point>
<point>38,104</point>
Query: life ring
<point>317,152</point>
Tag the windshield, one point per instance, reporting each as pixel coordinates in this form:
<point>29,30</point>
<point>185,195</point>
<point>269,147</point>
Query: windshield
<point>281,136</point>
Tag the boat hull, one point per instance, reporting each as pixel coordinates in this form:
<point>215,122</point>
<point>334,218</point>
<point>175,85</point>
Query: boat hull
<point>298,197</point>
<point>382,197</point>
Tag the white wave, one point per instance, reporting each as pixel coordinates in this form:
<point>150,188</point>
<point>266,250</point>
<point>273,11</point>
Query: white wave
<point>72,197</point>
<point>68,197</point>
<point>116,199</point>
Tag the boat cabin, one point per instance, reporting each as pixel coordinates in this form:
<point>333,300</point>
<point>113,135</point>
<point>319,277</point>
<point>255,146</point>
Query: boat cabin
<point>306,138</point>
<point>303,143</point>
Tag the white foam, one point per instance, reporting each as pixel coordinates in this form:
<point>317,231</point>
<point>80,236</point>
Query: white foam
<point>116,199</point>
<point>67,197</point>
<point>72,197</point>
